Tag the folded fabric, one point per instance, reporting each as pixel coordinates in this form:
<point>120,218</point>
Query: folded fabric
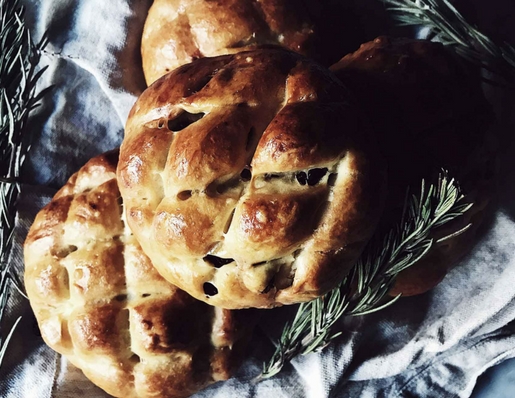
<point>434,345</point>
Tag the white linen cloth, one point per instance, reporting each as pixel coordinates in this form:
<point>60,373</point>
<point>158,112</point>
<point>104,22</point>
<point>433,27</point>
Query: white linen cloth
<point>433,345</point>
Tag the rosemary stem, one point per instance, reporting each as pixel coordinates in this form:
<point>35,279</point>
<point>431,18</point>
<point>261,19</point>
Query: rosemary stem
<point>18,59</point>
<point>374,273</point>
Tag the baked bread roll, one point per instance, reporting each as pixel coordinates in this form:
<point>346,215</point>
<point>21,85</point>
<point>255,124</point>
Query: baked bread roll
<point>250,180</point>
<point>430,114</point>
<point>99,301</point>
<point>177,32</point>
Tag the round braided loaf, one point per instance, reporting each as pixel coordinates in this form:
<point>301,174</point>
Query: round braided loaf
<point>177,32</point>
<point>250,179</point>
<point>434,115</point>
<point>99,301</point>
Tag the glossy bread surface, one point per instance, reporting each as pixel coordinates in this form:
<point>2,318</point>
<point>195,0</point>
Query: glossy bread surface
<point>99,301</point>
<point>250,180</point>
<point>177,32</point>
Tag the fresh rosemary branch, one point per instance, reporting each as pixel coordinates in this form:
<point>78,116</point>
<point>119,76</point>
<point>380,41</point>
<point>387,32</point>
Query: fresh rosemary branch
<point>450,27</point>
<point>18,59</point>
<point>365,289</point>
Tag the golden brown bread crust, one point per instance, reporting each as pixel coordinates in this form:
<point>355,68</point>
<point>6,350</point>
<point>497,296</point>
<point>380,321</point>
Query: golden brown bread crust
<point>249,179</point>
<point>99,301</point>
<point>177,32</point>
<point>431,114</point>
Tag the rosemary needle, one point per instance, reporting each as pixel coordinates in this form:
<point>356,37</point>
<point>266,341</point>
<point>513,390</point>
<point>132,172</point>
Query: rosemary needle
<point>373,274</point>
<point>404,245</point>
<point>448,26</point>
<point>18,59</point>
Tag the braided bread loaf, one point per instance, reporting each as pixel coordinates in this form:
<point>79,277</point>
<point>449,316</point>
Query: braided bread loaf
<point>433,116</point>
<point>177,32</point>
<point>99,301</point>
<point>250,179</point>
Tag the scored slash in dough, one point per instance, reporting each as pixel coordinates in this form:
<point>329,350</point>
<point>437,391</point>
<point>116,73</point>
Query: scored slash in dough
<point>177,32</point>
<point>99,301</point>
<point>250,180</point>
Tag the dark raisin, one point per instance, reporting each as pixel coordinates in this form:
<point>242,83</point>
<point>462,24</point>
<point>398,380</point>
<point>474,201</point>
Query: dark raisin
<point>121,297</point>
<point>217,262</point>
<point>184,195</point>
<point>246,174</point>
<point>65,251</point>
<point>315,175</point>
<point>210,289</point>
<point>302,178</point>
<point>226,74</point>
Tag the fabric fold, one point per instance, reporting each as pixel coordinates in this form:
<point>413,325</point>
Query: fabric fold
<point>433,345</point>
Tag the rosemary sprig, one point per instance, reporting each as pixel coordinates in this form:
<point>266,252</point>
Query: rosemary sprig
<point>18,59</point>
<point>448,26</point>
<point>365,289</point>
